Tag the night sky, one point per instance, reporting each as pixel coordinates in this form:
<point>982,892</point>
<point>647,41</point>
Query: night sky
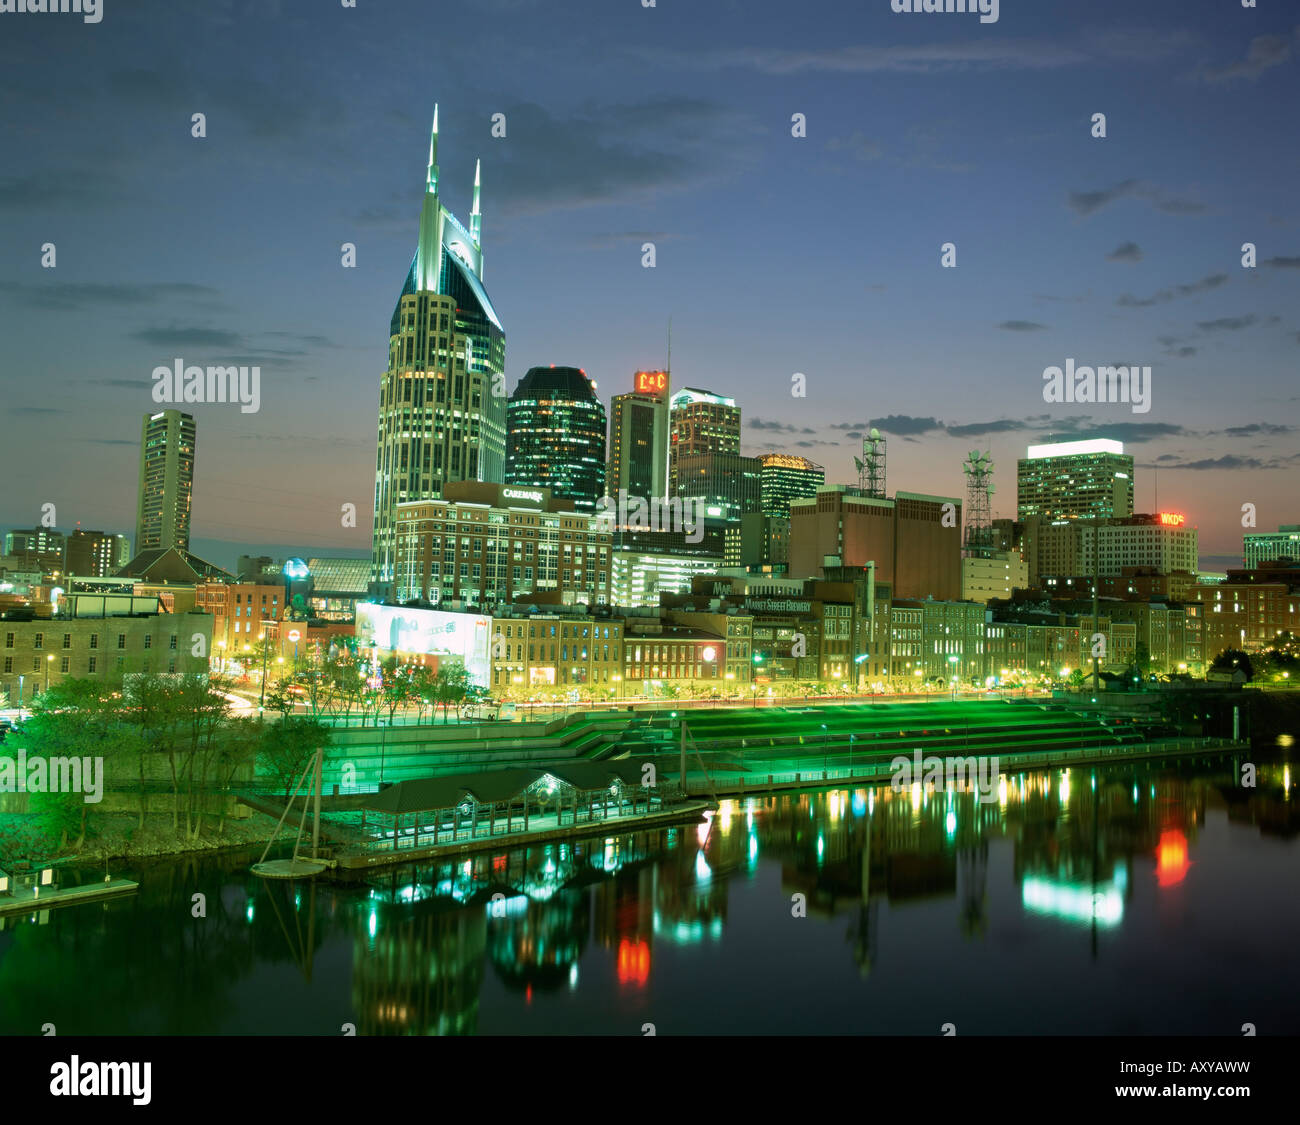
<point>671,124</point>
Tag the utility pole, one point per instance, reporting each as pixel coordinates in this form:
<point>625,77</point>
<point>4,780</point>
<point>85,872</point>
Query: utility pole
<point>1096,587</point>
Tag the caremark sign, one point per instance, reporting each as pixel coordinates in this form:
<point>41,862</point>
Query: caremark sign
<point>522,494</point>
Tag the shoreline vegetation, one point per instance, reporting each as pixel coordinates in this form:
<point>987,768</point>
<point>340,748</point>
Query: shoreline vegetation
<point>25,847</point>
<point>172,747</point>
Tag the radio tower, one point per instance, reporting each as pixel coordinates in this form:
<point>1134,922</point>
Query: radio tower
<point>978,470</point>
<point>871,465</point>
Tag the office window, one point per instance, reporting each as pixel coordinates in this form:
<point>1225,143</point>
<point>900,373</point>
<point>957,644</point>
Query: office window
<point>90,663</point>
<point>67,640</point>
<point>64,663</point>
<point>40,641</point>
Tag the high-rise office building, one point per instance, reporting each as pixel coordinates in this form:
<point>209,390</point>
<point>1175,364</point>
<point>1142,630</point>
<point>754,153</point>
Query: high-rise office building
<point>729,484</point>
<point>442,401</point>
<point>555,436</point>
<point>638,438</point>
<point>1267,546</point>
<point>166,482</point>
<point>783,478</point>
<point>701,422</point>
<point>1073,480</point>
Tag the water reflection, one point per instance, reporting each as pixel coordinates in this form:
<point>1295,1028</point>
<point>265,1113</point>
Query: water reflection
<point>466,946</point>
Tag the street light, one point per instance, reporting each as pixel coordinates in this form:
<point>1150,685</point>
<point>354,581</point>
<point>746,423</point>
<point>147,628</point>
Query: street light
<point>261,639</point>
<point>824,738</point>
<point>48,661</point>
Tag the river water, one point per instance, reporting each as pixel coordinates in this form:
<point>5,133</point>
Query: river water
<point>1131,899</point>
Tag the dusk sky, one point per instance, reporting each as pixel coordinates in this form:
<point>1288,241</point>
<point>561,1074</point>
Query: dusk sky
<point>671,125</point>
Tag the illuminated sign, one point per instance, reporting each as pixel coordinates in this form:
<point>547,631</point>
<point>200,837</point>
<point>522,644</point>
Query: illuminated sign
<point>459,637</point>
<point>651,382</point>
<point>295,635</point>
<point>1172,519</point>
<point>522,494</point>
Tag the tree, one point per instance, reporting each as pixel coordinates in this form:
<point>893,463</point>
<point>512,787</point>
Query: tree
<point>1142,659</point>
<point>286,748</point>
<point>1231,659</point>
<point>451,685</point>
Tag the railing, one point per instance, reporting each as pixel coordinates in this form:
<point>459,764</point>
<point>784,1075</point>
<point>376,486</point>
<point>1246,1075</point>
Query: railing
<point>1004,762</point>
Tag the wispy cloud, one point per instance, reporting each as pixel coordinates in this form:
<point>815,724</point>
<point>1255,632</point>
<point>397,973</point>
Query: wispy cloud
<point>1128,301</point>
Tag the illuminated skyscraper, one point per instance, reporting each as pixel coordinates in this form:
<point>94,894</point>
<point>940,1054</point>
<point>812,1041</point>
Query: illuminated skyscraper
<point>555,436</point>
<point>1075,480</point>
<point>442,401</point>
<point>166,482</point>
<point>638,438</point>
<point>701,422</point>
<point>784,478</point>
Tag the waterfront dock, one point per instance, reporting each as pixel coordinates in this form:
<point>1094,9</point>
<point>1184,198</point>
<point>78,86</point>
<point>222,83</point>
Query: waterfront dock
<point>29,899</point>
<point>408,847</point>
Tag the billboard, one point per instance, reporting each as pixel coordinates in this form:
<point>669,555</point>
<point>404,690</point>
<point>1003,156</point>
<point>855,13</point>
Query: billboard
<point>460,637</point>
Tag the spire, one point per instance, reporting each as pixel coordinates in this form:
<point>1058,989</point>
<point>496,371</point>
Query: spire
<point>475,216</point>
<point>428,251</point>
<point>433,154</point>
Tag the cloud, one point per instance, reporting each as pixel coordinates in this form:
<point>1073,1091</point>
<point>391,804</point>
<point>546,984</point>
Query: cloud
<point>34,410</point>
<point>1125,252</point>
<point>1227,461</point>
<point>1135,432</point>
<point>982,429</point>
<point>1021,326</point>
<point>606,153</point>
<point>778,427</point>
<point>924,58</point>
<point>190,337</point>
<point>1128,301</point>
<point>1258,429</point>
<point>1227,323</point>
<point>1087,203</point>
<point>68,296</point>
<point>1283,263</point>
<point>1264,53</point>
<point>905,425</point>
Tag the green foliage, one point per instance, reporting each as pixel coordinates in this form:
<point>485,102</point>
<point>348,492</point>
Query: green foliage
<point>287,746</point>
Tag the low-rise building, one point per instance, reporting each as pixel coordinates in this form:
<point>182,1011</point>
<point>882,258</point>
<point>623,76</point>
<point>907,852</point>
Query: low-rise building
<point>38,652</point>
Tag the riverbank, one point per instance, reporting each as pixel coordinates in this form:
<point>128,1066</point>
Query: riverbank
<point>120,836</point>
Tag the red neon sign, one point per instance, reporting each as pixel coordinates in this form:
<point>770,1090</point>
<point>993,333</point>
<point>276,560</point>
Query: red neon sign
<point>1172,519</point>
<point>651,382</point>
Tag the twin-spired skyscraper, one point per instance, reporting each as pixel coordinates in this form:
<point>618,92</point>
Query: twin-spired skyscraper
<point>442,405</point>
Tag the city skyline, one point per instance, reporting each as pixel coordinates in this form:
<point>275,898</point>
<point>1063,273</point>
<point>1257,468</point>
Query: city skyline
<point>1150,235</point>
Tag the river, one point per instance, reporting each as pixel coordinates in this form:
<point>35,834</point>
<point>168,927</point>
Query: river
<point>1126,900</point>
